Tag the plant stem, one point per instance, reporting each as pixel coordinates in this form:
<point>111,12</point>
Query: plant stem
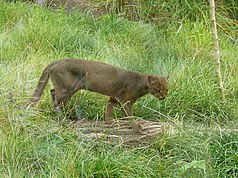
<point>216,49</point>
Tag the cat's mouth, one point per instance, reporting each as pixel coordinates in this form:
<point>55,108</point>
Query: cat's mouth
<point>161,97</point>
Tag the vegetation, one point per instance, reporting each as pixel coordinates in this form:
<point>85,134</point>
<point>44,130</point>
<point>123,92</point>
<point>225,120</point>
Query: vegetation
<point>34,144</point>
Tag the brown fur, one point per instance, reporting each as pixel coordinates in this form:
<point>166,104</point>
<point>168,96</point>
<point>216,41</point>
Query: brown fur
<point>122,86</point>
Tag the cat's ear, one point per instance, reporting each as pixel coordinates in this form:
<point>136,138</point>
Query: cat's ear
<point>151,80</point>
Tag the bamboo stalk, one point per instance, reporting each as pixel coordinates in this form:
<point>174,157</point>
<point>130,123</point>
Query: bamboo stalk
<point>216,49</point>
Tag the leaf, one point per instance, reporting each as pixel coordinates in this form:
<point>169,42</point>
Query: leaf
<point>194,164</point>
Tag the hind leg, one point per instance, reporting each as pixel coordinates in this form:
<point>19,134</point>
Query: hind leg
<point>60,97</point>
<point>65,85</point>
<point>56,108</point>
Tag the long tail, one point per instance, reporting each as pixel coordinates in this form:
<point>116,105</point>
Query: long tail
<point>44,78</point>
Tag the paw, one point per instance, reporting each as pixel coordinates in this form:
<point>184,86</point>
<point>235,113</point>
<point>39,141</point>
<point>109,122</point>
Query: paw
<point>136,126</point>
<point>109,121</point>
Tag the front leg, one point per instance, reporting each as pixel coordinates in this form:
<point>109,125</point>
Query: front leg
<point>110,106</point>
<point>128,111</point>
<point>126,108</point>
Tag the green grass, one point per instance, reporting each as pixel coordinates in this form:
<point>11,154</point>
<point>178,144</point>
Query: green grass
<point>34,144</point>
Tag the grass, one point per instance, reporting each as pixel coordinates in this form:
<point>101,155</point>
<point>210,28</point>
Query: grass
<point>34,144</point>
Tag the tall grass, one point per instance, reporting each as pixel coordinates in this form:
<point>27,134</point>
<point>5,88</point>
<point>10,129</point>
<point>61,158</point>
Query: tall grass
<point>34,144</point>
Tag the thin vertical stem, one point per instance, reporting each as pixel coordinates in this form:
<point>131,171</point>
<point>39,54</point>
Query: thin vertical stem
<point>216,49</point>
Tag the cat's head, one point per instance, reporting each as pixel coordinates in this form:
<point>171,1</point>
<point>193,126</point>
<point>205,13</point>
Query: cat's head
<point>158,86</point>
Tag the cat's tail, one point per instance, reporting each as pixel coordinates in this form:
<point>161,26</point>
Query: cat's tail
<point>44,78</point>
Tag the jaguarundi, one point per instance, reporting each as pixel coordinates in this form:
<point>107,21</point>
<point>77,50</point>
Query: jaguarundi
<point>123,86</point>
